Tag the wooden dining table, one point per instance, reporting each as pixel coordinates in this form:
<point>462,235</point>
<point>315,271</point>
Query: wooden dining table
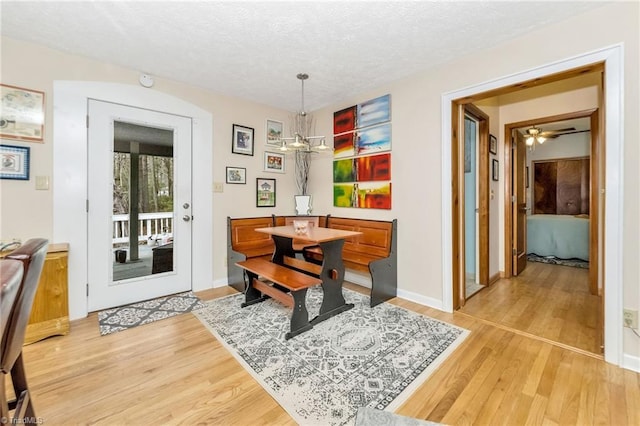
<point>331,241</point>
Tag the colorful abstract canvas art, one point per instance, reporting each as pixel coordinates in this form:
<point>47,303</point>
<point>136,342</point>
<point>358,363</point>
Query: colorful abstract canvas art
<point>373,140</point>
<point>365,195</point>
<point>375,111</point>
<point>343,145</point>
<point>344,120</point>
<point>362,158</point>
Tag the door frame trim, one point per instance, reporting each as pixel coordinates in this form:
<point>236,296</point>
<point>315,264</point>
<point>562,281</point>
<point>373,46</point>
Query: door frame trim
<point>70,168</point>
<point>613,82</point>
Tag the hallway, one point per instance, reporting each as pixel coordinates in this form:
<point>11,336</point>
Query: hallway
<point>549,301</point>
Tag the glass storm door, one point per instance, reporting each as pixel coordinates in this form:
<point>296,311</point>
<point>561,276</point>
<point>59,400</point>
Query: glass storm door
<point>139,205</point>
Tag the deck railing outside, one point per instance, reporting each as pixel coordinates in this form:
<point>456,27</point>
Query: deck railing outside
<point>150,224</point>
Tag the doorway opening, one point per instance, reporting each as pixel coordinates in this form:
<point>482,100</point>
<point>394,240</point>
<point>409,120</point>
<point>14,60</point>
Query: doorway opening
<point>515,204</point>
<point>140,183</point>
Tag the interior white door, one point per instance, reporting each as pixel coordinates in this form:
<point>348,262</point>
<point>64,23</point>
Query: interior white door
<point>103,291</point>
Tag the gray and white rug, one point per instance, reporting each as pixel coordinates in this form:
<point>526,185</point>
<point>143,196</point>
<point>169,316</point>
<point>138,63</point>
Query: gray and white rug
<point>125,317</point>
<point>576,263</point>
<point>364,357</point>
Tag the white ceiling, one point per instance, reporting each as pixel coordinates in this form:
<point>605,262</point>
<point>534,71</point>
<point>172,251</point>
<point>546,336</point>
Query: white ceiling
<point>253,50</point>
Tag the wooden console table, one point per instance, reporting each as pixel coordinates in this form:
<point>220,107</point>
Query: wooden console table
<point>50,311</point>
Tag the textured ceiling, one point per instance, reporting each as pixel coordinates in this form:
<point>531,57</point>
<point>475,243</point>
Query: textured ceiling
<point>253,50</point>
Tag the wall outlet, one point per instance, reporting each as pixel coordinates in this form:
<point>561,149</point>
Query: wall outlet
<point>630,318</point>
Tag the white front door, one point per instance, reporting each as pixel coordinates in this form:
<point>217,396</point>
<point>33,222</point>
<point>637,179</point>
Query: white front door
<point>134,260</point>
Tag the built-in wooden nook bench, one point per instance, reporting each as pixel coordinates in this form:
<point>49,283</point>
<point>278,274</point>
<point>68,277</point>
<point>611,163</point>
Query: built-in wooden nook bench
<point>374,251</point>
<point>243,243</point>
<point>283,284</point>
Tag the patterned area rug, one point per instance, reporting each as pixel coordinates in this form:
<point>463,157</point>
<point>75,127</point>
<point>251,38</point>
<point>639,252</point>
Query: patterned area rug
<point>576,263</point>
<point>364,357</point>
<point>125,317</point>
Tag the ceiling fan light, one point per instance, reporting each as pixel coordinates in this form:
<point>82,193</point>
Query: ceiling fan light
<point>529,141</point>
<point>541,139</point>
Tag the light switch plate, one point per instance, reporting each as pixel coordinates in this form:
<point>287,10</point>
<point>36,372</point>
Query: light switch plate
<point>42,182</point>
<point>218,187</point>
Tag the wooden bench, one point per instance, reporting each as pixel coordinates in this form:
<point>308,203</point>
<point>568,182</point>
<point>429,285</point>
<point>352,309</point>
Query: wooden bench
<point>243,242</point>
<point>374,251</point>
<point>287,286</point>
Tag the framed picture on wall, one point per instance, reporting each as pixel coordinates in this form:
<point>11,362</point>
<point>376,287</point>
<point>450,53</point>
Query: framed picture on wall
<point>21,114</point>
<point>236,175</point>
<point>495,171</point>
<point>493,145</point>
<point>274,132</point>
<point>242,140</point>
<point>265,192</point>
<point>14,162</point>
<point>273,162</point>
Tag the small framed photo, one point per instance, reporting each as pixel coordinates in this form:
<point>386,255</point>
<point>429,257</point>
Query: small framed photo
<point>21,114</point>
<point>242,140</point>
<point>493,144</point>
<point>273,162</point>
<point>236,175</point>
<point>265,192</point>
<point>274,132</point>
<point>495,171</point>
<point>14,162</point>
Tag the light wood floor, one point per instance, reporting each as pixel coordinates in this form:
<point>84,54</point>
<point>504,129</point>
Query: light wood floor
<point>175,372</point>
<point>549,301</point>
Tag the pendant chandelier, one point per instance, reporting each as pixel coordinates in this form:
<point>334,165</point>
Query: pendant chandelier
<point>301,141</point>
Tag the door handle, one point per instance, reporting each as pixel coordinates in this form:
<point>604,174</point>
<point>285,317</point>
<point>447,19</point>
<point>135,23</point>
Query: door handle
<point>186,218</point>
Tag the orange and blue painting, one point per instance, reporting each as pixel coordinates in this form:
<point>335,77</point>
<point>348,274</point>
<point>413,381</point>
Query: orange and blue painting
<point>362,161</point>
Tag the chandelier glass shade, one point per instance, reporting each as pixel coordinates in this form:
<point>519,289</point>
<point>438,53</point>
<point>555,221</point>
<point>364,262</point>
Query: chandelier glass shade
<point>534,135</point>
<point>301,141</point>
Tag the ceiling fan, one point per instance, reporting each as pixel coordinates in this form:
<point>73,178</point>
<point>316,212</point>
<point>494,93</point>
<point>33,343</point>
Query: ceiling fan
<point>534,134</point>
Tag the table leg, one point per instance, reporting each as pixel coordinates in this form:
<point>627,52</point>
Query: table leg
<point>332,276</point>
<point>284,247</point>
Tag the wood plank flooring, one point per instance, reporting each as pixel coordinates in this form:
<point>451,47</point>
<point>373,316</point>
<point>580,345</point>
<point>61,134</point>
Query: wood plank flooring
<point>549,301</point>
<point>175,372</point>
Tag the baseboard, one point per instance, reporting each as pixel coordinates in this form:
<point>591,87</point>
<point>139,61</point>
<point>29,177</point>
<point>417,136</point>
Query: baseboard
<point>365,281</point>
<point>495,277</point>
<point>362,280</point>
<point>631,362</point>
<point>420,299</point>
<point>222,282</point>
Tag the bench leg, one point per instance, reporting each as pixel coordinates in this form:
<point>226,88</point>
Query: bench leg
<point>251,295</point>
<point>300,315</point>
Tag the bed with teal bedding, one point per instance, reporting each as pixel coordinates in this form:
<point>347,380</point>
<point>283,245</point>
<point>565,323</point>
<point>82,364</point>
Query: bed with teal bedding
<point>562,236</point>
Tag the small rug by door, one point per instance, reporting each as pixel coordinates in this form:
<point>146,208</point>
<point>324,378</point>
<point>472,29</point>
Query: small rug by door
<point>364,357</point>
<point>129,316</point>
<point>576,263</point>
